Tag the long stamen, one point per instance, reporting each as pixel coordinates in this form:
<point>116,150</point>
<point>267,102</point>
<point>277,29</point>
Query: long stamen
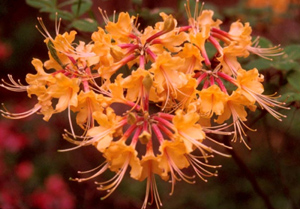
<point>16,86</point>
<point>102,170</point>
<point>25,114</point>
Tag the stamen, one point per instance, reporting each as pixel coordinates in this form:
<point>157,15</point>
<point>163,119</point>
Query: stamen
<point>267,102</point>
<point>16,86</point>
<point>265,52</point>
<point>114,182</point>
<point>57,25</point>
<point>46,33</point>
<point>104,15</point>
<point>102,170</point>
<point>25,114</point>
<point>198,167</point>
<point>196,10</point>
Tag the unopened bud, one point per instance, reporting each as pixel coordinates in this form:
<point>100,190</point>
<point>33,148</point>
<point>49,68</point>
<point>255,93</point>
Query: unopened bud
<point>116,54</point>
<point>131,119</point>
<point>144,137</point>
<point>169,24</point>
<point>147,82</point>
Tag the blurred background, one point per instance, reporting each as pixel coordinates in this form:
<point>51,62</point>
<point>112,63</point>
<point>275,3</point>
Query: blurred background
<point>33,174</point>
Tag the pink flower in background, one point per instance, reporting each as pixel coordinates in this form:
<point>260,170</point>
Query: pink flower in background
<point>5,50</point>
<point>10,194</point>
<point>10,140</point>
<point>24,170</point>
<point>55,195</point>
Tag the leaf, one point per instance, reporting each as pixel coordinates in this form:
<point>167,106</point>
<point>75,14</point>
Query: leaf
<point>259,63</point>
<point>79,7</point>
<point>286,64</point>
<point>290,97</point>
<point>289,60</point>
<point>294,79</point>
<point>264,42</point>
<point>41,3</point>
<point>86,25</point>
<point>292,52</point>
<point>49,10</point>
<point>53,52</point>
<point>64,15</point>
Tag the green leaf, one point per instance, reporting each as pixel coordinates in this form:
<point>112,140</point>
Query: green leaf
<point>286,64</point>
<point>259,63</point>
<point>41,3</point>
<point>64,15</point>
<point>290,97</point>
<point>49,10</point>
<point>289,60</point>
<point>79,7</point>
<point>294,79</point>
<point>292,52</point>
<point>86,25</point>
<point>65,3</point>
<point>53,52</point>
<point>264,42</point>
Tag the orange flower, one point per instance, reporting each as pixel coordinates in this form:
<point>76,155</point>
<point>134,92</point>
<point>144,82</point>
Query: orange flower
<point>212,101</point>
<point>172,159</point>
<point>88,103</point>
<point>65,89</point>
<point>235,108</point>
<point>150,165</point>
<point>192,58</point>
<point>167,77</point>
<point>121,29</point>
<point>187,127</point>
<point>249,83</point>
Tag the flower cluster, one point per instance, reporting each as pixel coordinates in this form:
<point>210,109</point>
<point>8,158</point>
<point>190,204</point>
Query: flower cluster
<point>149,99</point>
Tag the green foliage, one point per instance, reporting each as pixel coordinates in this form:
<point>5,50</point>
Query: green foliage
<point>293,79</point>
<point>74,15</point>
<point>85,25</point>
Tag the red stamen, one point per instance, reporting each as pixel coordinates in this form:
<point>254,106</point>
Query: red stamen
<point>221,85</point>
<point>157,133</point>
<point>212,80</point>
<point>151,53</point>
<point>165,116</point>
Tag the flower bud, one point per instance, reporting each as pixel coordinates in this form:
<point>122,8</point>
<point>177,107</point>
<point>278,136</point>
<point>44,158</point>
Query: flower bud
<point>169,24</point>
<point>131,119</point>
<point>116,54</point>
<point>144,137</point>
<point>147,82</point>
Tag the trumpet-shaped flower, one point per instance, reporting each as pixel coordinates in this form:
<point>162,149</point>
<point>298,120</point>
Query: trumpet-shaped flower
<point>212,101</point>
